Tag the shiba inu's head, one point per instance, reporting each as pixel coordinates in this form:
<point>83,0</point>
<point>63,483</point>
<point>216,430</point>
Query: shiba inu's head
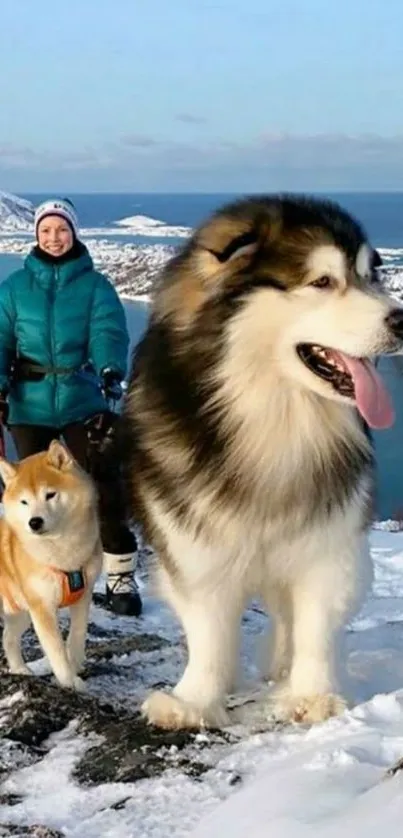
<point>284,286</point>
<point>45,493</point>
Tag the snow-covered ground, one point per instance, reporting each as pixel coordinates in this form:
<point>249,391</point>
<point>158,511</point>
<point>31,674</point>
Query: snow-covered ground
<point>258,782</point>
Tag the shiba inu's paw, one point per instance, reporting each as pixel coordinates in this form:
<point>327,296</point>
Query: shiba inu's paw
<point>167,711</point>
<point>72,682</point>
<point>306,709</point>
<point>76,658</point>
<point>79,684</point>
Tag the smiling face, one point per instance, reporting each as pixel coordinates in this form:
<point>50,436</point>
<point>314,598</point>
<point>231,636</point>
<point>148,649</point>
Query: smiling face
<point>55,235</point>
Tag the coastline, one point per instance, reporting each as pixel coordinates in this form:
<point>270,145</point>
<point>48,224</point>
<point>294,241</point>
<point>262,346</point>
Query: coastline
<point>136,298</point>
<point>132,268</point>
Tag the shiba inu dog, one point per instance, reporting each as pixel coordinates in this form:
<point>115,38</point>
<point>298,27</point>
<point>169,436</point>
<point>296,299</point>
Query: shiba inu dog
<point>244,432</point>
<point>50,556</point>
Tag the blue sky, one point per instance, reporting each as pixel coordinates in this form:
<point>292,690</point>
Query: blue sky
<point>197,95</point>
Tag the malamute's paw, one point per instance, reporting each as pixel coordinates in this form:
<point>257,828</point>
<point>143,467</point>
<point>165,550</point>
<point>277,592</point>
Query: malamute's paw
<point>306,709</point>
<point>278,674</point>
<point>171,713</point>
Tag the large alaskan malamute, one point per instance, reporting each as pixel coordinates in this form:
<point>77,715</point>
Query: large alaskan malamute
<point>250,467</point>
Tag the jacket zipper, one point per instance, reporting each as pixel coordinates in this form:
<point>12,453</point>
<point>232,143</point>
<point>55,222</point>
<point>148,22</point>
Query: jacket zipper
<point>52,340</point>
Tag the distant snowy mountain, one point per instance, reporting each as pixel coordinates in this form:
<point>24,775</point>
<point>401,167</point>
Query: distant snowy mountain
<point>16,214</point>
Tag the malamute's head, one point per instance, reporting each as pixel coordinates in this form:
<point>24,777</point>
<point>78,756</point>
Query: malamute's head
<point>46,494</point>
<point>287,283</point>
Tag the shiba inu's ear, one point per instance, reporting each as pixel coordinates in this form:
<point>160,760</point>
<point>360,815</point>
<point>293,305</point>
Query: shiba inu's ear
<point>7,471</point>
<point>58,455</point>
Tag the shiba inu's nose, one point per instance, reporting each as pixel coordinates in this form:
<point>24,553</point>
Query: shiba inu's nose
<point>395,322</point>
<point>36,524</point>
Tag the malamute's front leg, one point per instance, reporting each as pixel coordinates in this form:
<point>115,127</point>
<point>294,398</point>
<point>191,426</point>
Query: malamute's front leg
<point>46,626</point>
<point>211,623</point>
<point>322,600</point>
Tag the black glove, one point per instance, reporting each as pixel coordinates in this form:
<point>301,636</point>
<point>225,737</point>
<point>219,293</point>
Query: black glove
<point>3,408</point>
<point>112,384</point>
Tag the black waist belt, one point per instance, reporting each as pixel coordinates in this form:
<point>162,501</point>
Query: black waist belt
<point>25,370</point>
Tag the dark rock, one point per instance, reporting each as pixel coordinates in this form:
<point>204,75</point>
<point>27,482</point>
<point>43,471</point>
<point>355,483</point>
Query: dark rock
<point>10,799</point>
<point>128,750</point>
<point>394,769</point>
<point>123,645</point>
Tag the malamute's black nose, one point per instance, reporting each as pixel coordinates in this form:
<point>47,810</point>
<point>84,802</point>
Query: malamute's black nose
<point>36,524</point>
<point>394,321</point>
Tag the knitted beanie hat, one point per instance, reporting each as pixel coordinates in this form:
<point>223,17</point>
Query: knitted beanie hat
<point>59,206</point>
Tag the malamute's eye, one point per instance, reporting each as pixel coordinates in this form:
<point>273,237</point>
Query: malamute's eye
<point>323,282</point>
<point>50,495</point>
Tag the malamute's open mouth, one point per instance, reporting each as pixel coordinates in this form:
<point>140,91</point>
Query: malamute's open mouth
<point>327,364</point>
<point>353,378</point>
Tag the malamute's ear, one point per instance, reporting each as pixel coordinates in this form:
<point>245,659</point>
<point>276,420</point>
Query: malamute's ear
<point>58,455</point>
<point>225,243</point>
<point>7,471</point>
<point>244,245</point>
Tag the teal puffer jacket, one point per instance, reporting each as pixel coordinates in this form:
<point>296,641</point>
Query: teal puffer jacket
<point>60,317</point>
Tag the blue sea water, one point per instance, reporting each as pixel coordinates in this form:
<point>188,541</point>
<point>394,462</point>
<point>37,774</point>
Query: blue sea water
<point>381,215</point>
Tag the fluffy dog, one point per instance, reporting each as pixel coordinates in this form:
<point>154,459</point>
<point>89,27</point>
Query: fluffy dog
<point>249,465</point>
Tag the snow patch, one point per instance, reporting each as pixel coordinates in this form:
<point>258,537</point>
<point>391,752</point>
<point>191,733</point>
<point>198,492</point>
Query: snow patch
<point>143,225</point>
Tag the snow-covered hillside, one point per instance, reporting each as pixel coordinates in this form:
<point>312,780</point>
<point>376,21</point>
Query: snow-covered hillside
<point>91,768</point>
<point>16,214</point>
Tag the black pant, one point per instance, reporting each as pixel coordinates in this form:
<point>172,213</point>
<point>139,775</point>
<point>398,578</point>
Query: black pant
<point>116,537</point>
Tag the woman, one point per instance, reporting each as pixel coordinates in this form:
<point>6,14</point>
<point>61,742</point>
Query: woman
<point>62,332</point>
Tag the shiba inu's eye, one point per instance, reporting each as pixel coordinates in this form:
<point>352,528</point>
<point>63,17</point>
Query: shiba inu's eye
<point>24,502</point>
<point>50,495</point>
<point>323,282</point>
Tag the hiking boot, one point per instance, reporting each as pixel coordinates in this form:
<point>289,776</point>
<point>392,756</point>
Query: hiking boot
<point>122,593</point>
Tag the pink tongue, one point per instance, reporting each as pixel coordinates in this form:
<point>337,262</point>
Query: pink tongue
<point>372,399</point>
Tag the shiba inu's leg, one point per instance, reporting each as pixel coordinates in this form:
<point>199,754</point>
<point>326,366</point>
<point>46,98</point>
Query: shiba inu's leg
<point>79,613</point>
<point>48,632</point>
<point>75,644</point>
<point>14,627</point>
<point>278,649</point>
<point>211,621</point>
